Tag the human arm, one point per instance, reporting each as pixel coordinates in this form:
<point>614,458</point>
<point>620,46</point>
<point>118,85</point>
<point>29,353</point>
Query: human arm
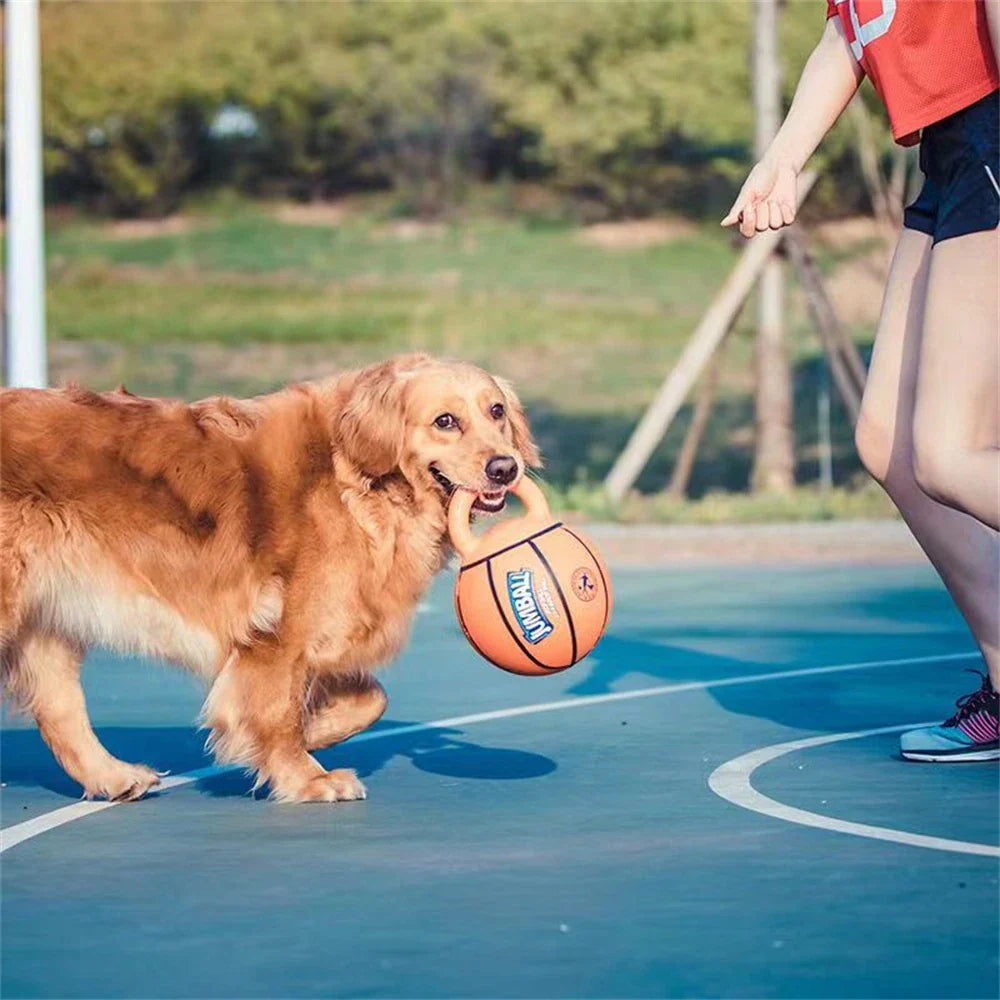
<point>828,82</point>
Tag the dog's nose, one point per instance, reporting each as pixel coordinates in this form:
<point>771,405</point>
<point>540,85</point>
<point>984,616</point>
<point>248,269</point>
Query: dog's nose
<point>501,469</point>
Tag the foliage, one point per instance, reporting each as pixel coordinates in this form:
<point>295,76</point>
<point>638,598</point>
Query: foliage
<point>626,106</point>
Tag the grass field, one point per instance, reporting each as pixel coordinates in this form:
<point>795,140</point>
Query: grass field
<point>239,299</point>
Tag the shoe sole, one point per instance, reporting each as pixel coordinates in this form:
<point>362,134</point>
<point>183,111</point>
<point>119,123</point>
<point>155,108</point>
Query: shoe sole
<point>954,756</point>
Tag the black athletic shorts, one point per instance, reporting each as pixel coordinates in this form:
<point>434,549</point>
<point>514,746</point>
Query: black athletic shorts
<point>960,158</point>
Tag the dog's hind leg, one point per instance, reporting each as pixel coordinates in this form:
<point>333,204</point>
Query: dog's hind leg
<point>43,673</point>
<point>340,707</point>
<point>255,713</point>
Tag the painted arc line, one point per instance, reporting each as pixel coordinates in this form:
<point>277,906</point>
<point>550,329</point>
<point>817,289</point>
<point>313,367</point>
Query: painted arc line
<point>20,832</point>
<point>731,781</point>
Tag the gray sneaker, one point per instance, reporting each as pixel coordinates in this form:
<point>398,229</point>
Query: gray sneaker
<point>972,733</point>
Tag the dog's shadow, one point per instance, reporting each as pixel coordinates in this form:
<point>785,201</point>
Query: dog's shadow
<point>26,760</point>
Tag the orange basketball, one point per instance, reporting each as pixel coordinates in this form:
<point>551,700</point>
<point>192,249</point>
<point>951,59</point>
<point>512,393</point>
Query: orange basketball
<point>532,596</point>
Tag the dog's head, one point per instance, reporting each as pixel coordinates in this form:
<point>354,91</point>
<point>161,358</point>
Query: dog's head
<point>442,424</point>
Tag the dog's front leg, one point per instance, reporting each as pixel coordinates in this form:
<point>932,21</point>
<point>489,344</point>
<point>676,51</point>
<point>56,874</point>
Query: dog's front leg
<point>254,710</point>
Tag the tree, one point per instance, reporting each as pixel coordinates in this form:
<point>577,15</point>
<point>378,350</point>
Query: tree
<point>774,451</point>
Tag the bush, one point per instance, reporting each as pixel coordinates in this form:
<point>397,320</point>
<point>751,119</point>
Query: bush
<point>634,106</point>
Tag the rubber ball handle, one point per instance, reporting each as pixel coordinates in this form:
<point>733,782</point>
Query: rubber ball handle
<point>460,508</point>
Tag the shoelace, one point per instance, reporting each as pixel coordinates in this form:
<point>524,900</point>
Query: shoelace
<point>975,701</point>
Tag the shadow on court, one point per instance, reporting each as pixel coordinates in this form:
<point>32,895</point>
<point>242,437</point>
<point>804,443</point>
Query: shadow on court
<point>918,621</point>
<point>26,760</point>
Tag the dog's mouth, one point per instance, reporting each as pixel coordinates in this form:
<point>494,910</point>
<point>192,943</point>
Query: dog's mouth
<point>487,501</point>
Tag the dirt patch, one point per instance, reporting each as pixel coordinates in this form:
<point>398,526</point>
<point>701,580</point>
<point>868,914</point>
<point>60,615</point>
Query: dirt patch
<point>409,231</point>
<point>142,229</point>
<point>536,199</point>
<point>857,283</point>
<point>636,234</point>
<point>634,306</point>
<point>856,287</point>
<point>842,234</point>
<point>313,213</point>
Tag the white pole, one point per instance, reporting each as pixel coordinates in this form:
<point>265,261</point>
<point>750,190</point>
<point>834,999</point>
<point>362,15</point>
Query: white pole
<point>25,289</point>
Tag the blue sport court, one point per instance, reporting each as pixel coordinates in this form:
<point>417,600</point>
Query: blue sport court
<point>711,805</point>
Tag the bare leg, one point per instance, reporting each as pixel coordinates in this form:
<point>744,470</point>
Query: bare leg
<point>963,550</point>
<point>46,674</point>
<point>255,712</point>
<point>956,423</point>
<point>338,708</point>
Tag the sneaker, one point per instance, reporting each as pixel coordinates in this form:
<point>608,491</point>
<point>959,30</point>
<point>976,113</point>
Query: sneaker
<point>972,733</point>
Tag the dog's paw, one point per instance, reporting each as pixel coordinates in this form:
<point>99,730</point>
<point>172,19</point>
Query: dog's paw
<point>332,786</point>
<point>121,782</point>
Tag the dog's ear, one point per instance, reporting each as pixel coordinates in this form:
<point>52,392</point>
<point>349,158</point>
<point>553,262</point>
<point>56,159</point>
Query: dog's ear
<point>523,440</point>
<point>372,426</point>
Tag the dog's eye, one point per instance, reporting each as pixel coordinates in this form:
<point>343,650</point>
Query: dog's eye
<point>446,422</point>
<point>497,411</point>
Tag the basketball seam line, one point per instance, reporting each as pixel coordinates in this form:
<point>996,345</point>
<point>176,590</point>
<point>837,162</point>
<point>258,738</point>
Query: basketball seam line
<point>562,597</point>
<point>507,548</point>
<point>607,589</point>
<point>507,624</point>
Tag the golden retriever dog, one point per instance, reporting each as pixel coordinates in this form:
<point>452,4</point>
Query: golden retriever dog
<point>276,546</point>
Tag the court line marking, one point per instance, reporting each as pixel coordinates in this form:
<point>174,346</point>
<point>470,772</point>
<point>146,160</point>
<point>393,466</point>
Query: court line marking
<point>993,180</point>
<point>18,833</point>
<point>731,781</point>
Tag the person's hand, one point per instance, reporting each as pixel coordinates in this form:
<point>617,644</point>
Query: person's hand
<point>767,198</point>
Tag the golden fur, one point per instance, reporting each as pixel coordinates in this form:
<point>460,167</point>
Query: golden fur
<point>277,546</point>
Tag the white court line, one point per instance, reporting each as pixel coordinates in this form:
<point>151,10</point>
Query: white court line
<point>993,180</point>
<point>731,781</point>
<point>20,832</point>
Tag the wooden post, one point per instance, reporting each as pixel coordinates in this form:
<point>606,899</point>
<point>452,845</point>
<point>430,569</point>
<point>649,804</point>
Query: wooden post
<point>774,450</point>
<point>846,365</point>
<point>716,322</point>
<point>681,475</point>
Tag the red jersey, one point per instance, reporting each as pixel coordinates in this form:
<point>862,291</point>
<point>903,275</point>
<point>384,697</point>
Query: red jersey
<point>926,58</point>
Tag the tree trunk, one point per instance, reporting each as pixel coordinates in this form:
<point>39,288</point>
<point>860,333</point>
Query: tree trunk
<point>774,456</point>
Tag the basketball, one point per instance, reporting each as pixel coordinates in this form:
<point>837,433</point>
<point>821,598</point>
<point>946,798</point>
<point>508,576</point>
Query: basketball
<point>533,596</point>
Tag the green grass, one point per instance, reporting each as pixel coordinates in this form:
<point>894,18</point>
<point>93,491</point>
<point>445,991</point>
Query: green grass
<point>577,325</point>
<point>242,302</point>
<point>863,500</point>
<point>486,256</point>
